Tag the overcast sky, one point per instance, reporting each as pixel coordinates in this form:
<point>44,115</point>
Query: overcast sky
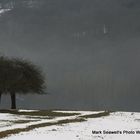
<point>88,50</point>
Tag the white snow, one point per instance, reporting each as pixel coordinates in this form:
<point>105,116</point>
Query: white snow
<point>118,122</point>
<point>24,110</point>
<point>7,120</point>
<point>81,112</point>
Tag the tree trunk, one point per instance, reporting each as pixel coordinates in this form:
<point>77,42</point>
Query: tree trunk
<point>0,97</point>
<point>13,100</point>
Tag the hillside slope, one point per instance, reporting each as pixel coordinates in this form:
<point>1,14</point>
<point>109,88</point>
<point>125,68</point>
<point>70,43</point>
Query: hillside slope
<point>70,125</point>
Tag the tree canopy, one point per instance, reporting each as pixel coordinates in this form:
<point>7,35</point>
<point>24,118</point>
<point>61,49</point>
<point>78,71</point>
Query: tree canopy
<point>20,76</point>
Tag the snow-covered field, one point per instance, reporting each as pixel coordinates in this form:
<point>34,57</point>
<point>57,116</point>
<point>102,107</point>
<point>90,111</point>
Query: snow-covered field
<point>123,125</point>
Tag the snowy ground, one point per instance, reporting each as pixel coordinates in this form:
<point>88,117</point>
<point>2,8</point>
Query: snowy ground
<point>124,125</point>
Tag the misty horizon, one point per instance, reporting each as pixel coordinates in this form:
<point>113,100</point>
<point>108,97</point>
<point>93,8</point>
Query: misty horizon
<point>88,51</point>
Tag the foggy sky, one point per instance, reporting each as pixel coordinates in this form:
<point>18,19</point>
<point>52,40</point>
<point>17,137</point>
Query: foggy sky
<point>88,51</point>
